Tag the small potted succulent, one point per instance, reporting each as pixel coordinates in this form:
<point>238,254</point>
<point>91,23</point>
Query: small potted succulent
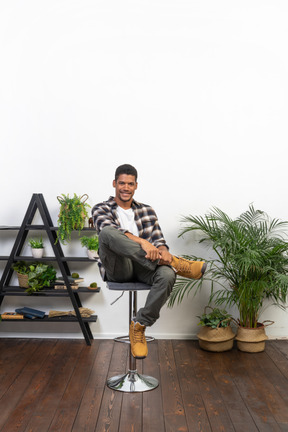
<point>92,244</point>
<point>37,247</point>
<point>72,216</point>
<point>216,333</point>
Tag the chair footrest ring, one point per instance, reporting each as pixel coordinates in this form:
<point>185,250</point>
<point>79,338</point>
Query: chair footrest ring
<point>125,339</point>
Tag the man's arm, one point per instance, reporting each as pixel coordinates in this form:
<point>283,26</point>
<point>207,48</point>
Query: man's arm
<point>103,216</point>
<point>152,252</point>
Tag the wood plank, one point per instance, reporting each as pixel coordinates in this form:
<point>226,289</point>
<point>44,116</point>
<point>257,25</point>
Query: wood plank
<point>153,419</point>
<point>132,405</point>
<point>173,407</point>
<point>236,408</point>
<point>215,406</point>
<point>239,365</point>
<point>273,349</point>
<point>11,364</point>
<point>71,399</point>
<point>51,395</point>
<point>91,402</point>
<point>270,396</point>
<point>194,406</point>
<point>269,364</point>
<point>282,346</point>
<point>15,403</point>
<point>110,412</point>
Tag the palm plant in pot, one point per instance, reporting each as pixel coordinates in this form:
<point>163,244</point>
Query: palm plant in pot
<point>72,216</point>
<point>249,267</point>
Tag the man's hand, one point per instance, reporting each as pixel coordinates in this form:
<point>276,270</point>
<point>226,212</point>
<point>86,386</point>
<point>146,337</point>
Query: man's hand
<point>152,253</point>
<point>165,256</point>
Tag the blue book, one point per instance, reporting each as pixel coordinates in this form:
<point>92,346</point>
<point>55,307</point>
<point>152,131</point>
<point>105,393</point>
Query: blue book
<point>30,313</point>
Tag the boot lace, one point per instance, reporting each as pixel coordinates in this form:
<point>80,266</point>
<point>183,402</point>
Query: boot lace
<point>139,336</point>
<point>184,265</point>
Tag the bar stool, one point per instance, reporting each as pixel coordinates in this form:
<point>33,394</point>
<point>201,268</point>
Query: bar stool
<point>131,381</point>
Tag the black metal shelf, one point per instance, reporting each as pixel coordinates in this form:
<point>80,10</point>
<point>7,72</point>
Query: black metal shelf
<point>49,292</point>
<point>46,259</point>
<point>38,202</point>
<point>92,318</point>
<point>38,227</point>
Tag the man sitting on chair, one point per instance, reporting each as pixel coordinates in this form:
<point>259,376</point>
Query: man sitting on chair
<point>132,248</point>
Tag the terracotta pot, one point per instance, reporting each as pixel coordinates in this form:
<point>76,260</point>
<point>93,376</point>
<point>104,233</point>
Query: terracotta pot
<point>251,339</point>
<point>216,340</point>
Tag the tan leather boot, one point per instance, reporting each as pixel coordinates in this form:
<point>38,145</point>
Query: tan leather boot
<point>138,342</point>
<point>188,269</point>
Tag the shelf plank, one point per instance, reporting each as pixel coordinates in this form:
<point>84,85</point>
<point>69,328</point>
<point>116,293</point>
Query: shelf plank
<point>38,227</point>
<point>9,228</point>
<point>51,258</point>
<point>49,292</point>
<point>65,318</point>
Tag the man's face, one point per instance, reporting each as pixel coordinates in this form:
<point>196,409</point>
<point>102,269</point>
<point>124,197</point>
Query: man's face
<point>125,187</point>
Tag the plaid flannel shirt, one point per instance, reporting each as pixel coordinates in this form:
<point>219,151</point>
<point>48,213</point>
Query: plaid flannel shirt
<point>105,214</point>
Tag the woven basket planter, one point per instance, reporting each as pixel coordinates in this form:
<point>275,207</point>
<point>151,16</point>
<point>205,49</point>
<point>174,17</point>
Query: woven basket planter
<point>251,339</point>
<point>216,340</point>
<point>23,280</point>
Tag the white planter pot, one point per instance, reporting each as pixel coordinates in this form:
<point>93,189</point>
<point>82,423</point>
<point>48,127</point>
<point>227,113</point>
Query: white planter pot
<point>37,253</point>
<point>92,254</point>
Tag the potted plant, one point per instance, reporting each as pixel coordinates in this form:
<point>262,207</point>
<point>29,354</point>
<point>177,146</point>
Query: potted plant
<point>249,266</point>
<point>72,216</point>
<point>91,243</point>
<point>216,333</point>
<point>37,276</point>
<point>37,247</point>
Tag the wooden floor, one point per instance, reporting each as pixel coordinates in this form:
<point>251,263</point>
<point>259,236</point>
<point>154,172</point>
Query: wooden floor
<point>60,385</point>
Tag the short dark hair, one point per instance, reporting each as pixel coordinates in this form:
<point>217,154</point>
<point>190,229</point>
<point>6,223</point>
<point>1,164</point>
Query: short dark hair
<point>126,169</point>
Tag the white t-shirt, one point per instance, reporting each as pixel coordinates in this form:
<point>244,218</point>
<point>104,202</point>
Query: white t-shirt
<point>127,221</point>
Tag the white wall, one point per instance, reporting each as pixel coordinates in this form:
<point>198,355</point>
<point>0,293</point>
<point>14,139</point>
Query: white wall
<point>193,93</point>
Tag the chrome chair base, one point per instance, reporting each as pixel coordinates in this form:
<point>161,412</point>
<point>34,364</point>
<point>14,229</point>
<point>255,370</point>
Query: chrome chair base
<point>132,382</point>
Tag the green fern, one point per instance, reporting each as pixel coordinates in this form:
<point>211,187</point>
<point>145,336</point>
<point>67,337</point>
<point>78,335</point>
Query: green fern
<point>72,216</point>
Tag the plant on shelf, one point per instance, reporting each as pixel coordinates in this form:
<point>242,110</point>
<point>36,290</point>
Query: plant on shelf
<point>37,247</point>
<point>249,266</point>
<point>92,244</point>
<point>72,216</point>
<point>36,243</point>
<point>216,334</point>
<point>38,275</point>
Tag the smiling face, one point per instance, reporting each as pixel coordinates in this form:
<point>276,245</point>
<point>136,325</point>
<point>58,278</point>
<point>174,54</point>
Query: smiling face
<point>125,187</point>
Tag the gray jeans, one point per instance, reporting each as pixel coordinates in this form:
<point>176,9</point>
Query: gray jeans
<point>124,261</point>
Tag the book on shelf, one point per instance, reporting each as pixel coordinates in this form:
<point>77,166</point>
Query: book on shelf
<point>63,287</point>
<point>71,280</point>
<point>11,316</point>
<point>30,313</point>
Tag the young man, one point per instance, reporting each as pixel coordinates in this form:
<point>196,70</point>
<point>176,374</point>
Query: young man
<point>132,247</point>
